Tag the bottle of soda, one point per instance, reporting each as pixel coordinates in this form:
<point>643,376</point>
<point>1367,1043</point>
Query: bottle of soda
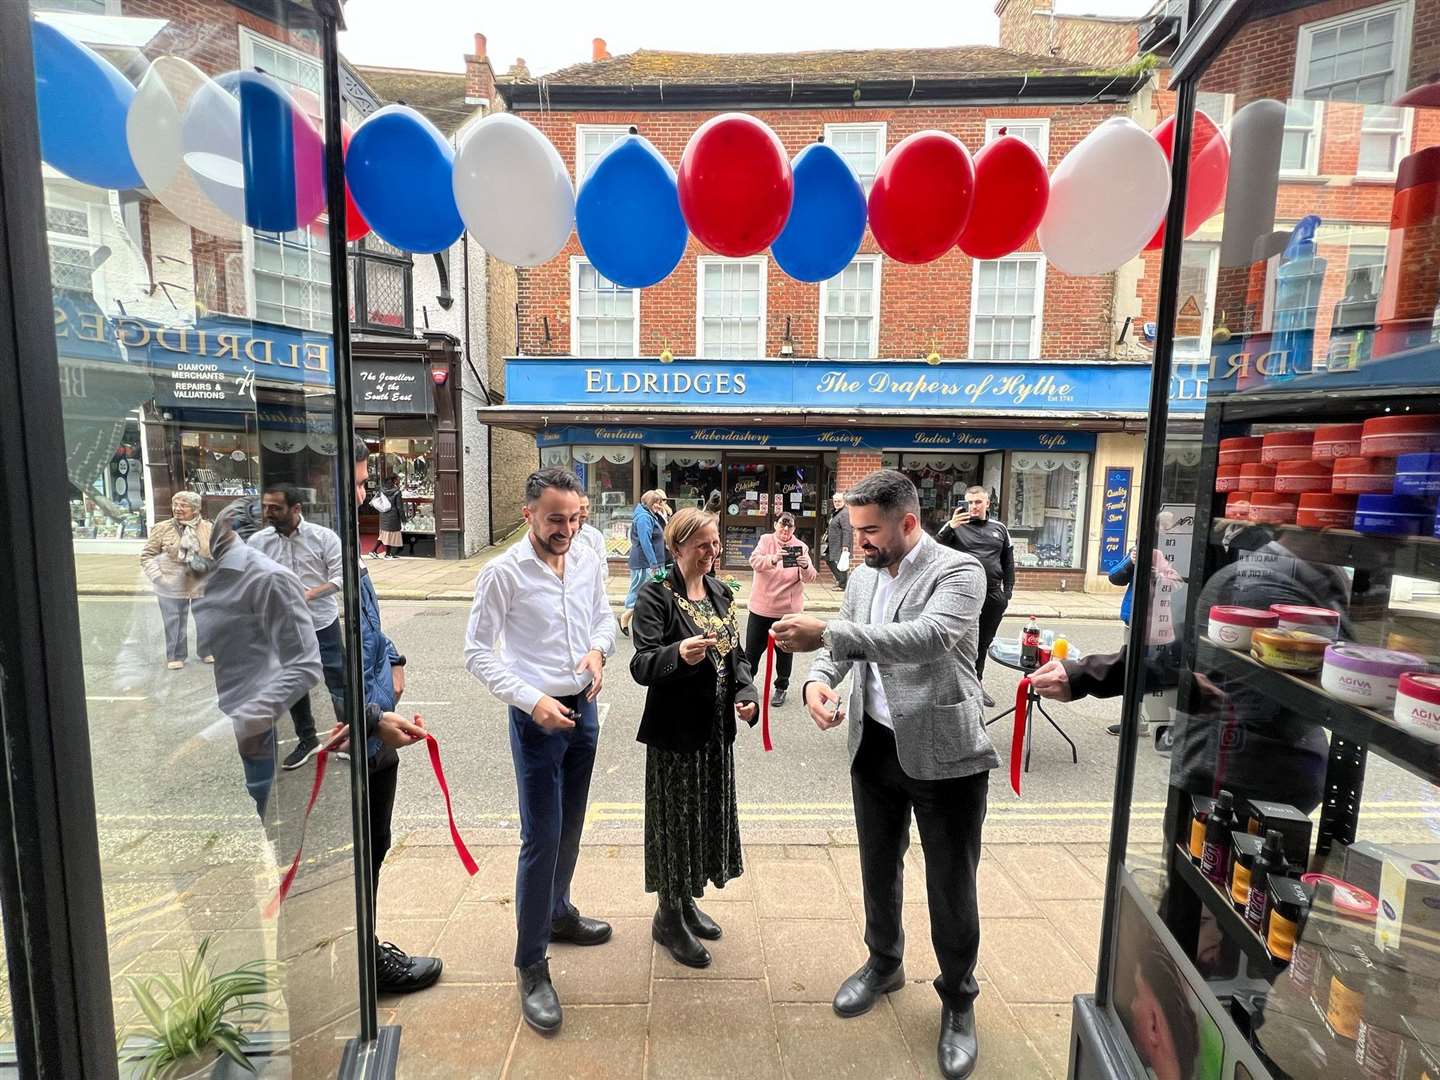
<point>1030,645</point>
<point>1271,861</point>
<point>1215,856</point>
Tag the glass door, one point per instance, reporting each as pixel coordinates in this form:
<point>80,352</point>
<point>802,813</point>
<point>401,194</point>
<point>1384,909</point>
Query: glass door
<point>797,491</point>
<point>745,509</point>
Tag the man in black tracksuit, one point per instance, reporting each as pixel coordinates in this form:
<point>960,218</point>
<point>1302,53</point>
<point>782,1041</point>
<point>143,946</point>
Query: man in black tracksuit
<point>973,530</point>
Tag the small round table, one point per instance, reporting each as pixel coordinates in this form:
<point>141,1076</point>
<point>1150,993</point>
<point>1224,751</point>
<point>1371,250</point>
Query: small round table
<point>1007,654</point>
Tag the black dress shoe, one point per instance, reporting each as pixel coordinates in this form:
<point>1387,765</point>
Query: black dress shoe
<point>959,1046</point>
<point>700,924</point>
<point>538,1002</point>
<point>578,930</point>
<point>397,973</point>
<point>989,701</point>
<point>859,993</point>
<point>668,929</point>
<point>777,699</point>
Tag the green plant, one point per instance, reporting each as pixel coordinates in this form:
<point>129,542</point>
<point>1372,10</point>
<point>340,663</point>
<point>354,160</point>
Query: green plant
<point>202,1012</point>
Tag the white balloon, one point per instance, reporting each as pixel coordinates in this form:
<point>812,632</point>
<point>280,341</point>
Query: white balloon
<point>210,140</point>
<point>513,191</point>
<point>154,129</point>
<point>1107,198</point>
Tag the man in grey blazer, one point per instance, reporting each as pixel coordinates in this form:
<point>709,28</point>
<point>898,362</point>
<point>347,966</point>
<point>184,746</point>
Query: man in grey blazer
<point>907,631</point>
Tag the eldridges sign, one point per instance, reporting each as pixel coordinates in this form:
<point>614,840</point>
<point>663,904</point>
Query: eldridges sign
<point>968,386</point>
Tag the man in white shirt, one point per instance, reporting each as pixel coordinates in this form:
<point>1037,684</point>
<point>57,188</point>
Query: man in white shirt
<point>312,553</point>
<point>590,535</point>
<point>539,633</point>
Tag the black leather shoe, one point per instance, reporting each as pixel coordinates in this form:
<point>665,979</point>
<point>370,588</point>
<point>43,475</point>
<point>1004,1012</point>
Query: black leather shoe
<point>538,1002</point>
<point>989,701</point>
<point>700,924</point>
<point>669,930</point>
<point>397,973</point>
<point>859,993</point>
<point>578,930</point>
<point>777,699</point>
<point>959,1046</point>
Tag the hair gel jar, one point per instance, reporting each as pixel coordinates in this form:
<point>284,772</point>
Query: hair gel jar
<point>1232,626</point>
<point>1366,675</point>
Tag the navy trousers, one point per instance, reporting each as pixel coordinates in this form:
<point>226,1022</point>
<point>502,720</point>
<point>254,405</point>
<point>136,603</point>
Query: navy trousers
<point>552,777</point>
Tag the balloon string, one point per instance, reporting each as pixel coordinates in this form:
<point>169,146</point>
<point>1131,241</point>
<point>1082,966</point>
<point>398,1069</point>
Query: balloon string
<point>765,690</point>
<point>1017,738</point>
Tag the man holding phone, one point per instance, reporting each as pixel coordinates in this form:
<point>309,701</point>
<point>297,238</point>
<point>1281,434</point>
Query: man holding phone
<point>972,530</point>
<point>539,633</point>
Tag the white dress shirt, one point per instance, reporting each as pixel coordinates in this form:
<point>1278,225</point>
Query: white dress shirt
<point>530,627</point>
<point>311,553</point>
<point>592,536</point>
<point>876,706</point>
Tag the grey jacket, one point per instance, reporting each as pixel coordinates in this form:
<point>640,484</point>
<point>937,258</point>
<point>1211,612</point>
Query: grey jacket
<point>925,650</point>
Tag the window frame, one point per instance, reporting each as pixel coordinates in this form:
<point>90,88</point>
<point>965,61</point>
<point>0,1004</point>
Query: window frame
<point>576,261</point>
<point>360,257</point>
<point>703,261</point>
<point>93,239</point>
<point>876,260</point>
<point>994,124</point>
<point>1207,311</point>
<point>878,127</point>
<point>1400,57</point>
<point>581,130</point>
<point>250,38</point>
<point>1037,333</point>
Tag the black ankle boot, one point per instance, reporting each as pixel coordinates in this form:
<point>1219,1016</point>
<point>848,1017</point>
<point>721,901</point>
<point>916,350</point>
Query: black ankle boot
<point>669,929</point>
<point>539,1003</point>
<point>700,924</point>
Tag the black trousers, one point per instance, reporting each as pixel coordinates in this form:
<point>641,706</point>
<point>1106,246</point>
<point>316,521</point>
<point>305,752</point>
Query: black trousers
<point>840,575</point>
<point>384,776</point>
<point>950,814</point>
<point>332,659</point>
<point>757,632</point>
<point>991,613</point>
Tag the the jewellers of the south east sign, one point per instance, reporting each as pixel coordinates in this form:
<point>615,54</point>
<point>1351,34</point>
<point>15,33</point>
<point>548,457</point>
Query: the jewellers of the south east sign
<point>1085,387</point>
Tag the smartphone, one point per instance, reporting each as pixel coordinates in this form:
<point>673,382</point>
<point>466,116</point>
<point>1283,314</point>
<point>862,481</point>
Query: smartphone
<point>790,555</point>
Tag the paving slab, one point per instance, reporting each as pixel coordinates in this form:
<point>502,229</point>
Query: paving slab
<point>713,1030</point>
<point>478,945</point>
<point>798,888</point>
<point>1005,1050</point>
<point>615,973</point>
<point>1030,963</point>
<point>1079,924</point>
<point>596,1042</point>
<point>816,1044</point>
<point>808,959</point>
<point>432,895</point>
<point>610,886</point>
<point>1046,871</point>
<point>449,1032</point>
<point>1048,1027</point>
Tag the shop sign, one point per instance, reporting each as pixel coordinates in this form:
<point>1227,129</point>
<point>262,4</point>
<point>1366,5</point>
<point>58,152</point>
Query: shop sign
<point>1102,387</point>
<point>1115,518</point>
<point>794,438</point>
<point>391,386</point>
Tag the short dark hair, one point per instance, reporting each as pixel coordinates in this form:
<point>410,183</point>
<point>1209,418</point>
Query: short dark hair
<point>291,493</point>
<point>553,476</point>
<point>360,451</point>
<point>786,518</point>
<point>890,490</point>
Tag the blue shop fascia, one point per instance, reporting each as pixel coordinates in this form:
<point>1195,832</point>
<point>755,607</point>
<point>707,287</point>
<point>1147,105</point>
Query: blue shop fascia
<point>1057,445</point>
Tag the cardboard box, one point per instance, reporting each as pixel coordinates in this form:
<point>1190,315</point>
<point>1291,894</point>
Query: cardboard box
<point>1408,921</point>
<point>1363,861</point>
<point>1293,826</point>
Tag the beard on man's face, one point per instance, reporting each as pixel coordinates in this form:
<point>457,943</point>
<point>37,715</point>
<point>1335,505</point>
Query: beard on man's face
<point>557,543</point>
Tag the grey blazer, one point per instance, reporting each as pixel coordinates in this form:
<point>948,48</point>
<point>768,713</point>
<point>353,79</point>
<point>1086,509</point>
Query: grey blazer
<point>924,646</point>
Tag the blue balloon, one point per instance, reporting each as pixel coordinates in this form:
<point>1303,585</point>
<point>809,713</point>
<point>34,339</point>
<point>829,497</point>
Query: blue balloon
<point>628,215</point>
<point>827,219</point>
<point>400,170</point>
<point>82,100</point>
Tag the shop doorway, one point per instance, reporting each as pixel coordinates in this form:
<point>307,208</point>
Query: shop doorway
<point>759,487</point>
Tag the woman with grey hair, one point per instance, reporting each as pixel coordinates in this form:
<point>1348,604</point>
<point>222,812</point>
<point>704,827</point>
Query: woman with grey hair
<point>174,559</point>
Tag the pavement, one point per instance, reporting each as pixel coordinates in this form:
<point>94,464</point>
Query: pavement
<point>406,578</point>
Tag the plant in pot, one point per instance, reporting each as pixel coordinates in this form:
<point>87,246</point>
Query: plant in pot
<point>196,1020</point>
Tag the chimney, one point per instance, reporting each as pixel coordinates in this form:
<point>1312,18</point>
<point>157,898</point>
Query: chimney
<point>598,51</point>
<point>519,70</point>
<point>479,76</point>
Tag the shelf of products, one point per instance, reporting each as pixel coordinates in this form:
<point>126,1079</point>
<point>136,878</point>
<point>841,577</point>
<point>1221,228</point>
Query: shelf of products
<point>1232,923</point>
<point>1412,556</point>
<point>1306,696</point>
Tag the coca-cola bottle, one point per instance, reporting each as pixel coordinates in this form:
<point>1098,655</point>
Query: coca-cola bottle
<point>1030,645</point>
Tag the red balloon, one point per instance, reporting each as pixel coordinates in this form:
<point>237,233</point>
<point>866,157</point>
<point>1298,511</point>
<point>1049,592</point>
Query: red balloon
<point>1012,189</point>
<point>735,185</point>
<point>1209,171</point>
<point>355,224</point>
<point>922,196</point>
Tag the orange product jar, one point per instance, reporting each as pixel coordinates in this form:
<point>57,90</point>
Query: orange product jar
<point>1237,505</point>
<point>1336,440</point>
<point>1273,508</point>
<point>1240,450</point>
<point>1324,510</point>
<point>1386,436</point>
<point>1287,446</point>
<point>1257,477</point>
<point>1363,476</point>
<point>1227,478</point>
<point>1297,477</point>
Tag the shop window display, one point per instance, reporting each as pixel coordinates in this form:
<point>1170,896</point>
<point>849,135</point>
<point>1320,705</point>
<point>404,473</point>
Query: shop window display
<point>941,480</point>
<point>608,473</point>
<point>1045,507</point>
<point>688,478</point>
<point>113,505</point>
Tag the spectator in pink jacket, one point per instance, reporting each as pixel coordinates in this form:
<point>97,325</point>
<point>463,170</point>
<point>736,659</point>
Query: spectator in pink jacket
<point>782,566</point>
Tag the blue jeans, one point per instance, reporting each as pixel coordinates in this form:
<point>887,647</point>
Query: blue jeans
<point>637,578</point>
<point>552,777</point>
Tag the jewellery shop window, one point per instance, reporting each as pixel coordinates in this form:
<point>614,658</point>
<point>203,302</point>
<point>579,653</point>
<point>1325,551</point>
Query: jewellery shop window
<point>219,466</point>
<point>410,461</point>
<point>1044,507</point>
<point>941,480</point>
<point>112,505</point>
<point>608,473</point>
<point>688,477</point>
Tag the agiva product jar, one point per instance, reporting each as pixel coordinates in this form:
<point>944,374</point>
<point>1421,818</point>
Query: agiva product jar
<point>1315,620</point>
<point>1417,706</point>
<point>1232,626</point>
<point>1289,650</point>
<point>1366,675</point>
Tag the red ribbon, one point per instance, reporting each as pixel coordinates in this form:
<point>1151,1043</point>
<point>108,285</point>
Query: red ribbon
<point>1017,739</point>
<point>765,690</point>
<point>466,859</point>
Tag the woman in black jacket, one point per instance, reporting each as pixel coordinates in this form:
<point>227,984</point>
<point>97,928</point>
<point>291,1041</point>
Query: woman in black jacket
<point>688,652</point>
